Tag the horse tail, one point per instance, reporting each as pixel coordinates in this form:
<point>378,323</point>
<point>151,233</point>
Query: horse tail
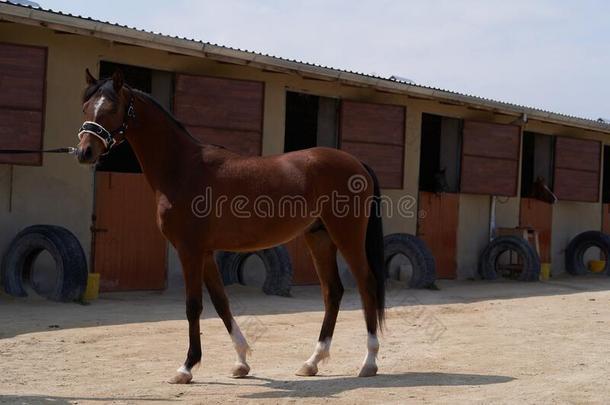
<point>374,247</point>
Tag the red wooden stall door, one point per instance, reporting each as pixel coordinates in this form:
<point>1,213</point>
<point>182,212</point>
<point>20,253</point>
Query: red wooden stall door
<point>130,251</point>
<point>437,227</point>
<point>538,215</point>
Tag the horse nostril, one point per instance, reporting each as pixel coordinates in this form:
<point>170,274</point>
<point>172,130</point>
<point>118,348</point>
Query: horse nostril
<point>87,153</point>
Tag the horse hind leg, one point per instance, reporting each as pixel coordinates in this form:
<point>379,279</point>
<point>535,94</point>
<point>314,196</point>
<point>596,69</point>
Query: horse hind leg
<point>350,239</point>
<point>213,283</point>
<point>324,254</point>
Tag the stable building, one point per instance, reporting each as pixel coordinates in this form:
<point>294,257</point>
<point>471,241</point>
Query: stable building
<point>466,164</point>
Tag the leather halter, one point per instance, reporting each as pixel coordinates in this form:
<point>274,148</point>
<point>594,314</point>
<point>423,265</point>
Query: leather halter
<point>107,137</point>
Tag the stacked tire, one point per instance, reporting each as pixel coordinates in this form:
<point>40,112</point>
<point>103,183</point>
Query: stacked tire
<point>575,252</point>
<point>423,266</point>
<point>530,260</point>
<point>278,269</point>
<point>62,245</point>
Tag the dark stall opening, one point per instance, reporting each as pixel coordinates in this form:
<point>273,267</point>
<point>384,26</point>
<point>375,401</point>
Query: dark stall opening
<point>310,121</point>
<point>439,164</point>
<point>537,162</point>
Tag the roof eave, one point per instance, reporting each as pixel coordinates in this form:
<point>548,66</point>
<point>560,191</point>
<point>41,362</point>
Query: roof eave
<point>117,33</point>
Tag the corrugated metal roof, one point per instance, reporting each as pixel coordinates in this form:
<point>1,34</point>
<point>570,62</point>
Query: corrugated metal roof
<point>206,49</point>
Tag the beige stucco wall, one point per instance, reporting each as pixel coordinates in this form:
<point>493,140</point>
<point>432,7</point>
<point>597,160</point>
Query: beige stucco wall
<point>61,191</point>
<point>570,219</point>
<point>473,233</point>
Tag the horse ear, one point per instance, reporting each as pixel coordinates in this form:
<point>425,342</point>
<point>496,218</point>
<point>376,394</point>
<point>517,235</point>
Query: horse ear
<point>89,77</point>
<point>117,80</point>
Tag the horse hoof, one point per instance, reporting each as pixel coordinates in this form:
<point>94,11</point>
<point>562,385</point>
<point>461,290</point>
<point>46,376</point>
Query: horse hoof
<point>368,371</point>
<point>307,370</point>
<point>181,378</point>
<point>240,370</point>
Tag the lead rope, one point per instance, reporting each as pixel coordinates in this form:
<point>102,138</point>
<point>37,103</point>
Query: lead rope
<point>69,150</point>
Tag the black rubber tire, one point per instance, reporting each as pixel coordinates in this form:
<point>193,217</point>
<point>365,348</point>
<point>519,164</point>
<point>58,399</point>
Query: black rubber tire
<point>422,261</point>
<point>228,273</point>
<point>574,256</point>
<point>501,244</point>
<point>278,267</point>
<point>65,249</point>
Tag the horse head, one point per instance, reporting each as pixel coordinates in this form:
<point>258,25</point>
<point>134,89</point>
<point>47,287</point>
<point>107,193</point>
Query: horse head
<point>107,107</point>
<point>542,192</point>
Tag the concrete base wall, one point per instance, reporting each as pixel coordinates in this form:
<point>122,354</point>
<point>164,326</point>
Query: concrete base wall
<point>570,219</point>
<point>473,233</point>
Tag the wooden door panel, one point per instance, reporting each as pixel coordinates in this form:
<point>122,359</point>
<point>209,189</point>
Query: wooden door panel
<point>482,175</point>
<point>226,112</point>
<point>576,185</point>
<point>130,251</point>
<point>538,215</point>
<point>373,123</point>
<point>385,160</point>
<point>20,129</point>
<point>490,158</point>
<point>218,102</point>
<point>22,101</point>
<point>578,154</point>
<point>606,218</point>
<point>577,169</point>
<point>375,134</point>
<point>242,142</point>
<point>438,229</point>
<point>303,270</point>
<point>22,77</point>
<point>491,140</point>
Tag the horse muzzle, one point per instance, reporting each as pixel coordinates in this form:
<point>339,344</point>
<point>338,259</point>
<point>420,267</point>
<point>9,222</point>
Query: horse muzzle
<point>85,155</point>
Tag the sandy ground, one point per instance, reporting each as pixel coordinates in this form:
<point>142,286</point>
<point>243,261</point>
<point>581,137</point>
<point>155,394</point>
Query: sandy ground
<point>484,342</point>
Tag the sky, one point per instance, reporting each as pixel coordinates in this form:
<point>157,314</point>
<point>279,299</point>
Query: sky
<point>553,55</point>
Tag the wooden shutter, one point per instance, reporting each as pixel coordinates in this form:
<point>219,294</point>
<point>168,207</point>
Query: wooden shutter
<point>577,169</point>
<point>490,158</point>
<point>22,96</point>
<point>224,112</point>
<point>375,134</point>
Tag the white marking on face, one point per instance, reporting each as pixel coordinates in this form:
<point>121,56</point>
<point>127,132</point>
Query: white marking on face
<point>98,105</point>
<point>239,342</point>
<point>372,345</point>
<point>321,352</point>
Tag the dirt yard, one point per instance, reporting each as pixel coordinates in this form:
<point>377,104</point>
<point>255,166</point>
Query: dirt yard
<point>502,342</point>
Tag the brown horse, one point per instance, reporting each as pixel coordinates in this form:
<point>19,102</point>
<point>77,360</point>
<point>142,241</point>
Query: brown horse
<point>542,192</point>
<point>180,170</point>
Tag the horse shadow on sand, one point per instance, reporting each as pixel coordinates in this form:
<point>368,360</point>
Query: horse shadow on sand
<point>331,386</point>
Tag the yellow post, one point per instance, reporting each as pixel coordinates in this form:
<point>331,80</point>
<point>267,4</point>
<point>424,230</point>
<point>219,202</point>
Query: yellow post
<point>93,287</point>
<point>545,271</point>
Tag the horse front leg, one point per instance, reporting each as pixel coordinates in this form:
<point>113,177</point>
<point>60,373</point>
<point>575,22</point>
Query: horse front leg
<point>215,286</point>
<point>192,269</point>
